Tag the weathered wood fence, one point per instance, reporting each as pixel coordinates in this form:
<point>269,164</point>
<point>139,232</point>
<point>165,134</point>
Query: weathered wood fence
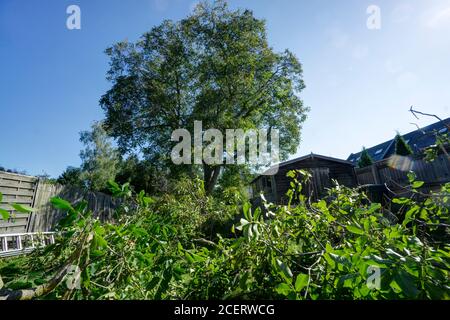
<point>19,189</point>
<point>37,193</point>
<point>393,171</point>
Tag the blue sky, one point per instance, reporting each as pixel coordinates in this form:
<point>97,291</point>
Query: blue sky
<point>360,82</point>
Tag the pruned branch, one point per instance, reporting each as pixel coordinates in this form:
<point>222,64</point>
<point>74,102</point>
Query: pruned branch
<point>416,112</point>
<point>43,289</point>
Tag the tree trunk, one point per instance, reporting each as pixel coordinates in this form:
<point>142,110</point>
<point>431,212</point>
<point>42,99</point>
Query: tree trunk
<point>210,176</point>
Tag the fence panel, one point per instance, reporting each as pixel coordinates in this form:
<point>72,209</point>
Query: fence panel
<point>37,193</point>
<point>46,217</point>
<point>393,171</point>
<point>16,188</point>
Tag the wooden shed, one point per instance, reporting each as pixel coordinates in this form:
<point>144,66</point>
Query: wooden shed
<point>322,168</point>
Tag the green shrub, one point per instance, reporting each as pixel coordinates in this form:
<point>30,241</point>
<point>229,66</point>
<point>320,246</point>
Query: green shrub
<point>329,249</point>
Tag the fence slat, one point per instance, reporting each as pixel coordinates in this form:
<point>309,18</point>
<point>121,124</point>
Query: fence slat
<point>393,171</point>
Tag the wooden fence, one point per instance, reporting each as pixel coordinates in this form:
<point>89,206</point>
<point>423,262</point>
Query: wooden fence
<point>37,194</point>
<point>19,189</point>
<point>393,171</point>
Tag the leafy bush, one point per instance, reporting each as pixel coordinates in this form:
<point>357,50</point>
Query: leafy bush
<point>330,249</point>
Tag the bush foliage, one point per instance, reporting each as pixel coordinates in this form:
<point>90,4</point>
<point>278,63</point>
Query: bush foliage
<point>188,245</point>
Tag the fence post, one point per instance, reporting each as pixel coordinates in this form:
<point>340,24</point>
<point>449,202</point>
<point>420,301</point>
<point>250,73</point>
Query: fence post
<point>375,173</point>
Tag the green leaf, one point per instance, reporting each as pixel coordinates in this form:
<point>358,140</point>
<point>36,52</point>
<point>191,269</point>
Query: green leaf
<point>377,261</point>
<point>61,204</point>
<point>22,208</point>
<point>410,214</point>
<point>189,257</point>
<point>284,270</point>
<point>283,289</point>
<point>301,282</point>
<point>113,187</point>
<point>411,176</point>
<point>99,241</point>
<point>348,280</point>
<point>243,224</point>
<point>4,214</point>
<point>374,207</point>
<point>354,229</point>
<point>401,200</point>
<point>417,184</point>
<point>246,209</point>
<point>291,174</point>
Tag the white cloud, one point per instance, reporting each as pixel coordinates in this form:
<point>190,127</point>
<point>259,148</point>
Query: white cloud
<point>437,18</point>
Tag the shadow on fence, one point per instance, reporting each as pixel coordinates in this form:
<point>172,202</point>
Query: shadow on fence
<point>394,172</point>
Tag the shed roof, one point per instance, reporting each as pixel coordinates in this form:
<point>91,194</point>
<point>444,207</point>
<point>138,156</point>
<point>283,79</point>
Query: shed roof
<point>305,157</point>
<point>417,140</point>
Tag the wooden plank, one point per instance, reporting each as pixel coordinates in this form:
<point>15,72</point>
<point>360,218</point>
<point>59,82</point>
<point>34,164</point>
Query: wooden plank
<point>15,176</point>
<point>16,191</point>
<point>18,215</point>
<point>19,223</point>
<point>16,199</point>
<point>13,229</point>
<point>17,184</point>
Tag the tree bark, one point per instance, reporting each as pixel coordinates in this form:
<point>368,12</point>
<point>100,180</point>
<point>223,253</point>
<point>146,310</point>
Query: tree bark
<point>28,294</point>
<point>210,176</point>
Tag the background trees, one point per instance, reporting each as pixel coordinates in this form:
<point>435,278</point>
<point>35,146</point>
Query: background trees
<point>99,158</point>
<point>99,161</point>
<point>71,176</point>
<point>401,147</point>
<point>365,160</point>
<point>214,66</point>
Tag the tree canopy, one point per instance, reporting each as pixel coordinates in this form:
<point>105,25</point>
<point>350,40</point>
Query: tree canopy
<point>214,66</point>
<point>99,158</point>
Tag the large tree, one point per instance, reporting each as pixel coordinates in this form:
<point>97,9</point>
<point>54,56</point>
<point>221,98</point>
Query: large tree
<point>214,66</point>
